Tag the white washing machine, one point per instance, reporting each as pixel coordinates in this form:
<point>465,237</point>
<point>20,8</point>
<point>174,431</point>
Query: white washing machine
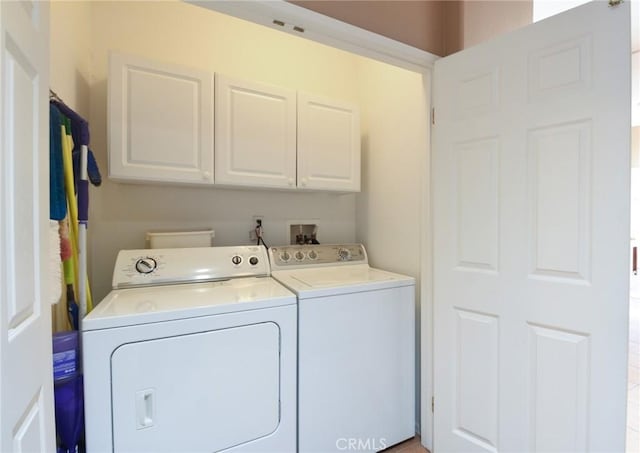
<point>194,350</point>
<point>356,348</point>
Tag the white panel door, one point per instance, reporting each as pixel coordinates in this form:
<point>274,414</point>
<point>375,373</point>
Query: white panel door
<point>160,122</point>
<point>26,392</point>
<point>328,144</point>
<point>531,235</point>
<point>255,134</point>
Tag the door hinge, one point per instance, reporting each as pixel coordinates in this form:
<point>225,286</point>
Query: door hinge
<point>432,404</point>
<point>433,116</point>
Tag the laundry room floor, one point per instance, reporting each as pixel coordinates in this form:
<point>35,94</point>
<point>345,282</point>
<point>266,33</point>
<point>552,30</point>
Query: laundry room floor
<point>408,446</point>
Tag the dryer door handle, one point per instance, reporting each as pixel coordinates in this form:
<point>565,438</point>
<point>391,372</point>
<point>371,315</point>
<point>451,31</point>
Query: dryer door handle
<point>144,408</point>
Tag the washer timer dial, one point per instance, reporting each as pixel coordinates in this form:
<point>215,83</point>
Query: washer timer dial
<point>146,265</point>
<point>344,254</point>
<point>285,256</point>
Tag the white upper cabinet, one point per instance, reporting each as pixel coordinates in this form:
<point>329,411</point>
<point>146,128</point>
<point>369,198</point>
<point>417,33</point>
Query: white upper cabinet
<point>161,129</point>
<point>328,144</point>
<point>256,138</point>
<point>160,122</point>
<point>255,134</point>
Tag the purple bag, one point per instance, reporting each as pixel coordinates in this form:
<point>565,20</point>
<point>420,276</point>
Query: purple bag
<point>68,391</point>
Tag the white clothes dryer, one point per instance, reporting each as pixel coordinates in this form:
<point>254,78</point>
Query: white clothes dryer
<point>356,348</point>
<point>193,350</point>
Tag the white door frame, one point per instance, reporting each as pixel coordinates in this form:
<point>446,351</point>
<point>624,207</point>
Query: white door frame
<point>343,36</point>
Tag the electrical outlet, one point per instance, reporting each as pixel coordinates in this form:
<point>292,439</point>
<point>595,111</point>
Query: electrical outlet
<point>255,220</point>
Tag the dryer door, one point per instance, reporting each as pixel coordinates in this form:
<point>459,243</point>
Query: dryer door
<point>221,389</point>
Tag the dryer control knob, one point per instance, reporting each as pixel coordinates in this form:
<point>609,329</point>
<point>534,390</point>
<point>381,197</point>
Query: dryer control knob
<point>313,255</point>
<point>285,256</point>
<point>146,265</point>
<point>344,255</point>
<point>299,256</point>
<point>253,260</point>
<point>236,259</point>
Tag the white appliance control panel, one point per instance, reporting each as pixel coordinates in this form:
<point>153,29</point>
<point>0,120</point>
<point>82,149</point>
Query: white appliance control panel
<point>147,267</point>
<point>300,256</point>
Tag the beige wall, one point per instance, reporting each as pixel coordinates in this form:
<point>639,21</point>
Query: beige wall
<point>184,34</point>
<point>482,20</point>
<point>394,148</point>
<point>395,141</point>
<point>454,32</point>
<point>70,50</point>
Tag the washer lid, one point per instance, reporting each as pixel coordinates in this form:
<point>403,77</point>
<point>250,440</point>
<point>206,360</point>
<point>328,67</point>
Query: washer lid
<point>329,281</point>
<point>129,307</point>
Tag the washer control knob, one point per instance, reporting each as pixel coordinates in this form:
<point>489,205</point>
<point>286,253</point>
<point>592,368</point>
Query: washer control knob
<point>236,259</point>
<point>313,255</point>
<point>344,255</point>
<point>146,265</point>
<point>285,256</point>
<point>253,260</point>
<point>299,255</point>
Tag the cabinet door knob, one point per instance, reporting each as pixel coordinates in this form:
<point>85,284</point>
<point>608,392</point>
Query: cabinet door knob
<point>206,175</point>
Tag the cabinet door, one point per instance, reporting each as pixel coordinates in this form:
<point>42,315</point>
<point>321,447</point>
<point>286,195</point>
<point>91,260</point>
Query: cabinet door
<point>160,122</point>
<point>328,144</point>
<point>255,134</point>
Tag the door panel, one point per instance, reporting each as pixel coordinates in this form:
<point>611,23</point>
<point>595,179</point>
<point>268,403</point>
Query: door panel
<point>21,112</point>
<point>559,370</point>
<point>26,412</point>
<point>531,214</point>
<point>149,141</point>
<point>328,144</point>
<point>255,134</point>
<point>477,386</point>
<point>206,391</point>
<point>477,187</point>
<point>559,164</point>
